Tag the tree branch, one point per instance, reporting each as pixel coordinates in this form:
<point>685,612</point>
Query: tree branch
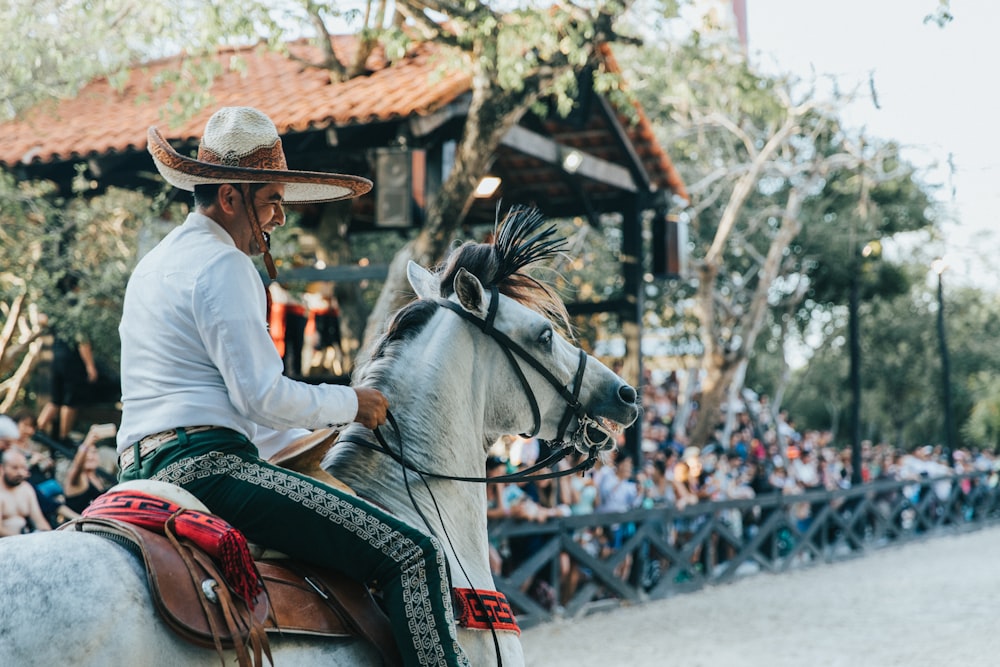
<point>429,30</point>
<point>744,186</point>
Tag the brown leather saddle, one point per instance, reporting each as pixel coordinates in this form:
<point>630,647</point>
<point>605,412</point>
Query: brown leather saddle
<point>191,596</point>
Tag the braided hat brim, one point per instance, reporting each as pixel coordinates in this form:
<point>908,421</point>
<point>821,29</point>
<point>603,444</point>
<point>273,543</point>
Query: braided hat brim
<point>301,187</point>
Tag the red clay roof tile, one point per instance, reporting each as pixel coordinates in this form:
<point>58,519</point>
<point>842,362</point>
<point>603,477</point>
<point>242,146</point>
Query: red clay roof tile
<point>103,120</point>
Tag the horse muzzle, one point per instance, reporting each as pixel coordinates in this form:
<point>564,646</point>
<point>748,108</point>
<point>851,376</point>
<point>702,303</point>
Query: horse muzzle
<point>602,431</point>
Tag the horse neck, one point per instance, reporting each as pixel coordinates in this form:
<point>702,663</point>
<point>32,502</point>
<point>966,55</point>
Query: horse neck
<point>438,398</point>
<point>439,411</point>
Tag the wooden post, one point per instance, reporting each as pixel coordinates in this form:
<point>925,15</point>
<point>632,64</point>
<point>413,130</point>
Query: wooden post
<point>631,313</point>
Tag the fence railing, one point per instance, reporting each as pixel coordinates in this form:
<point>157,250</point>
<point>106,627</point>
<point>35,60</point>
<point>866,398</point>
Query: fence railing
<point>574,565</point>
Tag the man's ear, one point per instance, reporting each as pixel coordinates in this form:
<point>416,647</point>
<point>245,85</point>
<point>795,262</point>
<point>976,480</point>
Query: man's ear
<point>226,198</point>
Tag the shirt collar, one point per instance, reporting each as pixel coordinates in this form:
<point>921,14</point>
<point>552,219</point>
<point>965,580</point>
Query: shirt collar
<point>200,221</point>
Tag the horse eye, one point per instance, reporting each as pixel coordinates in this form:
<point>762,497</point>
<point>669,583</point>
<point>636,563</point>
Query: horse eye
<point>545,338</point>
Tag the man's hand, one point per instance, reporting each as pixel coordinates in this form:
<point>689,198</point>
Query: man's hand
<point>372,407</point>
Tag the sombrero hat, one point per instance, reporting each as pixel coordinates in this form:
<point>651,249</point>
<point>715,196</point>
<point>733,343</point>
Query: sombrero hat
<point>241,145</point>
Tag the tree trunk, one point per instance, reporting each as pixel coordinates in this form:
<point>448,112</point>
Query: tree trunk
<point>719,364</point>
<point>492,112</point>
<point>714,390</point>
<point>735,390</point>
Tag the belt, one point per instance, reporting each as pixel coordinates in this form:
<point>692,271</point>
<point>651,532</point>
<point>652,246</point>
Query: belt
<point>150,443</point>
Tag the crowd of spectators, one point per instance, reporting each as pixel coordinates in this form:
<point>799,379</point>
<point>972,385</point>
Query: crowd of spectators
<point>42,487</point>
<point>761,453</point>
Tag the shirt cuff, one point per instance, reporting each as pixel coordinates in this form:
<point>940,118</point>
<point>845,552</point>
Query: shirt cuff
<point>345,407</point>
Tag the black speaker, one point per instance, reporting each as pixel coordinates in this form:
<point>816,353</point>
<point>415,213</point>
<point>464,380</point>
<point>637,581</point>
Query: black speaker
<point>399,184</point>
<point>669,247</point>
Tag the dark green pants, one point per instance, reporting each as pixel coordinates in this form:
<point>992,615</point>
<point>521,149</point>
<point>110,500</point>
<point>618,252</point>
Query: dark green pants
<point>316,523</point>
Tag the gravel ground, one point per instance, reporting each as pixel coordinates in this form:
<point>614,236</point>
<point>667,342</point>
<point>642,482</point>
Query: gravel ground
<point>928,604</point>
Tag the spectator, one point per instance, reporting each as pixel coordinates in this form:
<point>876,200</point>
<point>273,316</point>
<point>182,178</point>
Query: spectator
<point>618,491</point>
<point>19,508</point>
<point>582,500</point>
<point>27,425</point>
<point>658,488</point>
<point>74,379</point>
<point>686,474</point>
<point>40,462</point>
<point>83,483</point>
<point>555,493</point>
<point>583,492</point>
<point>10,435</point>
<point>525,451</point>
<point>323,331</point>
<point>806,471</point>
<point>41,471</point>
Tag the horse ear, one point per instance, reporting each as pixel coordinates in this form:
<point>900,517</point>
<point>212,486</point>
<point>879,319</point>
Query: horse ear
<point>470,292</point>
<point>423,282</point>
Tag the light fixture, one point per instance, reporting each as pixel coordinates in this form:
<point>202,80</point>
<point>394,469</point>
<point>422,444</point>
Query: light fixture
<point>572,160</point>
<point>488,185</point>
<point>872,249</point>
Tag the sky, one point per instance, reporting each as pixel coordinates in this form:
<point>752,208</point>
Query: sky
<point>936,90</point>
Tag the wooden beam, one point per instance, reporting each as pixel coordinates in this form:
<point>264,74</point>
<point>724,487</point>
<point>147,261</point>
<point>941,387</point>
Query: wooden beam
<point>616,306</point>
<point>421,126</point>
<point>638,169</point>
<point>594,168</point>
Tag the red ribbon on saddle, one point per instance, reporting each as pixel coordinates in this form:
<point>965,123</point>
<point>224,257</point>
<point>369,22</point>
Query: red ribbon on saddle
<point>484,610</point>
<point>213,535</point>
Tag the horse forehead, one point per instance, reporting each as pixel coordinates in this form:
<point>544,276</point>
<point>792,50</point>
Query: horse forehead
<point>516,315</point>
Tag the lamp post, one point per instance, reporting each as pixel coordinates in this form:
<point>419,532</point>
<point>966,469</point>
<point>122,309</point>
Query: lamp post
<point>872,249</point>
<point>854,340</point>
<point>939,266</point>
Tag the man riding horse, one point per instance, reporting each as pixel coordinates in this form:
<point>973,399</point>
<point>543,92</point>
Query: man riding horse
<point>205,401</point>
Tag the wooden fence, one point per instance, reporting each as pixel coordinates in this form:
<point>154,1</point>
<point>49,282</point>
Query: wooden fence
<point>575,565</point>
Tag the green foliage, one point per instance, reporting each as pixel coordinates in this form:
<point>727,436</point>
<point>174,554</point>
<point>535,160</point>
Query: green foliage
<point>983,427</point>
<point>819,395</point>
<point>902,385</point>
<point>590,271</point>
<point>56,46</point>
<point>714,113</point>
<point>855,210</point>
<point>47,242</point>
<point>941,15</point>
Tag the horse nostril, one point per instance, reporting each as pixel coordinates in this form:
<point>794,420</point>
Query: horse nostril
<point>627,394</point>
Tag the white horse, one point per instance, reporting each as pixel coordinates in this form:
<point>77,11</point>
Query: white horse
<point>461,366</point>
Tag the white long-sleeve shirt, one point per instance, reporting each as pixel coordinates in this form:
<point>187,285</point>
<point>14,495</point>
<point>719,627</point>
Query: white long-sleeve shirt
<point>196,350</point>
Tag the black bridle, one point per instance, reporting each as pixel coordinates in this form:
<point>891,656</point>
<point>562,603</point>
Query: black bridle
<point>510,347</point>
<point>569,393</point>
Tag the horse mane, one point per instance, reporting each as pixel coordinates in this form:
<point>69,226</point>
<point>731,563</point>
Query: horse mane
<point>406,323</point>
<point>518,241</point>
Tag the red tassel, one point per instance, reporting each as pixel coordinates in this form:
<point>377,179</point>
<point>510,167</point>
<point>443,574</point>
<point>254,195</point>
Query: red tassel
<point>238,567</point>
